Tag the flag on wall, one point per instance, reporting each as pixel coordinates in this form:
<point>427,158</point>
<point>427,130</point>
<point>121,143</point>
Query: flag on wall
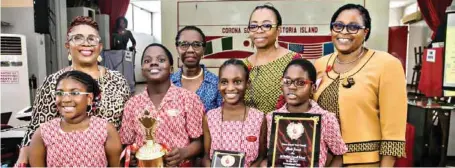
<point>309,50</point>
<point>218,45</point>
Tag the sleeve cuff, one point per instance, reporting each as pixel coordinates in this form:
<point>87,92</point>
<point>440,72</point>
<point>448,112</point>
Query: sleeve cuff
<point>392,148</point>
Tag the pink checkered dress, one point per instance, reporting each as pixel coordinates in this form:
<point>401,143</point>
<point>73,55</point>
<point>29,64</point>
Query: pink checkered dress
<point>77,148</point>
<point>330,132</point>
<point>179,118</point>
<point>228,135</point>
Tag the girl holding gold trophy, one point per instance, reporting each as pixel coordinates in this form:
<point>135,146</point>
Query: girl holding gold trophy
<point>162,116</point>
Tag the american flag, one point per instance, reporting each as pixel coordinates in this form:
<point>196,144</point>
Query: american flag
<point>309,50</point>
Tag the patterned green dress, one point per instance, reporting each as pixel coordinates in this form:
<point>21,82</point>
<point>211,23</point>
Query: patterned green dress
<point>265,81</point>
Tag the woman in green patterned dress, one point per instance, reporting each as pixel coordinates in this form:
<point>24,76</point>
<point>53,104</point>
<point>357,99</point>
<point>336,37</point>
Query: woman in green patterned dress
<point>267,64</point>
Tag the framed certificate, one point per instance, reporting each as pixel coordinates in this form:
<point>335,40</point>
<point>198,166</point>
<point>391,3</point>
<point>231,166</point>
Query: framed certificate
<point>294,140</point>
<point>228,159</point>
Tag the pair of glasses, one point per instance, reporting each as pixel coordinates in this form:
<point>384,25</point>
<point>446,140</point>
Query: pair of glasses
<point>184,45</point>
<point>350,28</point>
<point>297,83</point>
<point>71,94</point>
<point>79,39</point>
<point>264,27</point>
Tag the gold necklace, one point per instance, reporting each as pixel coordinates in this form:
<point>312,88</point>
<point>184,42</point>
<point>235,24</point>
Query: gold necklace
<point>350,62</point>
<point>192,78</point>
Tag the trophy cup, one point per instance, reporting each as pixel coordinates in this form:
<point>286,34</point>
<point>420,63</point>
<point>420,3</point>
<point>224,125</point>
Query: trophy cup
<point>151,154</point>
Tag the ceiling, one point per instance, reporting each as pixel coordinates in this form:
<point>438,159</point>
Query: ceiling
<point>400,3</point>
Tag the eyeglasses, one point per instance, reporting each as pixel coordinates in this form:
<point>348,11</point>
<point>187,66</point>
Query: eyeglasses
<point>351,28</point>
<point>264,27</point>
<point>184,45</point>
<point>71,94</point>
<point>297,83</point>
<point>79,39</point>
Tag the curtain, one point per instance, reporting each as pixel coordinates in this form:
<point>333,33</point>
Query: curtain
<point>434,12</point>
<point>115,9</point>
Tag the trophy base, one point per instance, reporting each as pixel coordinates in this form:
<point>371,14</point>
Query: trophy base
<point>158,162</point>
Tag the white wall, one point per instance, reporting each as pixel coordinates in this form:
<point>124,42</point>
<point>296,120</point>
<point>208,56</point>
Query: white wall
<point>395,16</point>
<point>142,41</point>
<point>419,35</point>
<point>379,11</point>
<point>411,8</point>
<point>156,29</point>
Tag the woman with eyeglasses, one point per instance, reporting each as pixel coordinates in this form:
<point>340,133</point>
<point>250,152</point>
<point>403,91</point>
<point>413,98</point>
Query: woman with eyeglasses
<point>267,64</point>
<point>84,47</point>
<point>366,90</point>
<point>193,76</point>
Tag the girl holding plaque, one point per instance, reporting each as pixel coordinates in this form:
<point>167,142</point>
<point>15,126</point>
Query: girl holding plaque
<point>234,134</point>
<point>298,85</point>
<point>75,139</point>
<point>167,114</point>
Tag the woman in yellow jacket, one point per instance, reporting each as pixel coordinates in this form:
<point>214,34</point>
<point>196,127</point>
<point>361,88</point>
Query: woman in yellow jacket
<point>366,89</point>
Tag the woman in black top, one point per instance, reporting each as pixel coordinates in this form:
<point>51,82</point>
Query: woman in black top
<point>121,36</point>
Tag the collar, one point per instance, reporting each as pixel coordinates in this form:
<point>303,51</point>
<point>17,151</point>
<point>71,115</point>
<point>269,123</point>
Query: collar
<point>169,96</point>
<point>314,107</point>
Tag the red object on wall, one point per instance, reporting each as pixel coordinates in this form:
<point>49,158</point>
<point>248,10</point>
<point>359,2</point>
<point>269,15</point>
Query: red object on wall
<point>409,159</point>
<point>431,74</point>
<point>398,43</point>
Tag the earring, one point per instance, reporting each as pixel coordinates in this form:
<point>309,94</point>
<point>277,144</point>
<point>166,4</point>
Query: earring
<point>99,59</point>
<point>89,108</point>
<point>70,57</point>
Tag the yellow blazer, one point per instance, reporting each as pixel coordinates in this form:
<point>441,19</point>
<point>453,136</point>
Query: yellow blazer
<point>372,113</point>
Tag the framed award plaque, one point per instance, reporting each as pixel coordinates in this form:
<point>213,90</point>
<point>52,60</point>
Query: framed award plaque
<point>294,140</point>
<point>228,159</point>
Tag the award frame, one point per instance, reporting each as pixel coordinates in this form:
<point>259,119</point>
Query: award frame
<point>219,154</point>
<point>308,128</point>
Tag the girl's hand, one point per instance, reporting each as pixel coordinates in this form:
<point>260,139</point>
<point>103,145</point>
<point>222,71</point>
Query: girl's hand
<point>175,157</point>
<point>263,163</point>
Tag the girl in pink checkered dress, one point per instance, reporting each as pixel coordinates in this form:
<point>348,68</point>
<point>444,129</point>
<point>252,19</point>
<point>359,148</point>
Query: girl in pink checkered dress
<point>75,139</point>
<point>233,126</point>
<point>298,85</point>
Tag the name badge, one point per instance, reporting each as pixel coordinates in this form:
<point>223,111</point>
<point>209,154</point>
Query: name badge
<point>173,112</point>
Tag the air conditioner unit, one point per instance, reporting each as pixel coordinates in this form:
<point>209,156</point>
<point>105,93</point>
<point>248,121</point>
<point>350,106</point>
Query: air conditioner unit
<point>14,77</point>
<point>71,13</point>
<point>412,18</point>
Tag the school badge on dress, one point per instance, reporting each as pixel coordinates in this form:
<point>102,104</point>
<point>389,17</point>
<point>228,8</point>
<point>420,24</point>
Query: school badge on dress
<point>173,112</point>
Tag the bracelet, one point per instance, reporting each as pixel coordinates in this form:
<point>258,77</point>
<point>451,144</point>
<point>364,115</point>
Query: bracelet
<point>20,165</point>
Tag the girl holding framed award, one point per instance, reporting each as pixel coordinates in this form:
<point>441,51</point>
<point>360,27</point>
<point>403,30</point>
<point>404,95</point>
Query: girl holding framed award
<point>234,134</point>
<point>298,85</point>
<point>75,139</point>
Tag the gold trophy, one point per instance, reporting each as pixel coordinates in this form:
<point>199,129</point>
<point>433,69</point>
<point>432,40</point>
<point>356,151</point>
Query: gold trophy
<point>151,154</point>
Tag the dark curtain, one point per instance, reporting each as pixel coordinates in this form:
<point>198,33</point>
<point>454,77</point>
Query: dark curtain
<point>115,9</point>
<point>434,13</point>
